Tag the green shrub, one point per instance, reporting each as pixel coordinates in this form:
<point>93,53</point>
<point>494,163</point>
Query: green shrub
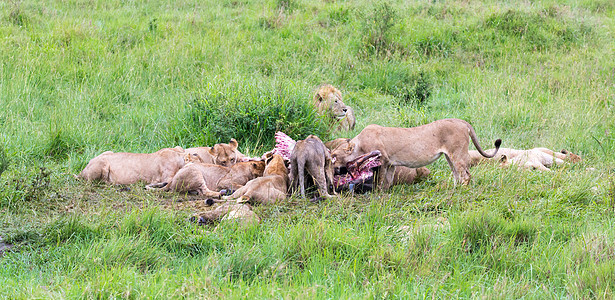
<point>251,114</point>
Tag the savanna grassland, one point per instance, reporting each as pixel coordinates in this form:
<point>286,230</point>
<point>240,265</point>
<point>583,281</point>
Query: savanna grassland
<point>80,77</point>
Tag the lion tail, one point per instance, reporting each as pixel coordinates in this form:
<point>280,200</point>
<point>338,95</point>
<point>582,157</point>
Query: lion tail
<point>498,142</point>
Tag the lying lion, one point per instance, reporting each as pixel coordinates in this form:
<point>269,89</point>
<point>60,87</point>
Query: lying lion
<point>225,155</point>
<point>414,147</point>
<point>208,179</point>
<point>241,213</point>
<point>269,189</point>
<point>533,159</point>
<point>311,156</point>
<point>328,100</point>
<point>129,168</point>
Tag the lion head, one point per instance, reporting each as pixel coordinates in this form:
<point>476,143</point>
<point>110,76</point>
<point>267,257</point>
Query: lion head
<point>328,100</point>
<point>225,155</point>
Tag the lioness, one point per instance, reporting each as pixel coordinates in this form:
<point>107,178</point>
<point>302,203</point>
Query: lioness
<point>312,156</point>
<point>414,147</point>
<point>225,155</point>
<point>129,168</point>
<point>403,175</point>
<point>537,158</point>
<point>241,213</point>
<point>328,100</point>
<point>204,179</point>
<point>270,188</point>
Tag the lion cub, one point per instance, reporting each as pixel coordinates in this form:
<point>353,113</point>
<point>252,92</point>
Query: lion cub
<point>222,154</point>
<point>269,189</point>
<point>312,156</point>
<point>240,213</point>
<point>208,179</point>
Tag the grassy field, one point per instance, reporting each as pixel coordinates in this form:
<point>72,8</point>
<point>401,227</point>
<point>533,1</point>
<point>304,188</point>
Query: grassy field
<point>80,77</point>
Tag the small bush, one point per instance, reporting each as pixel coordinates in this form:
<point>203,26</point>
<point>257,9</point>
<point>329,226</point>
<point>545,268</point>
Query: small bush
<point>433,46</point>
<point>339,14</point>
<point>250,114</point>
<point>286,5</point>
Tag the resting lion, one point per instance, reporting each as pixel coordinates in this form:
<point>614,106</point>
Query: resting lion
<point>225,155</point>
<point>241,213</point>
<point>414,147</point>
<point>269,189</point>
<point>533,159</point>
<point>208,179</point>
<point>328,100</point>
<point>129,168</point>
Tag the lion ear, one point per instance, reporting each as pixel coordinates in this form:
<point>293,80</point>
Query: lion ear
<point>212,151</point>
<point>233,143</point>
<point>503,159</point>
<point>349,148</point>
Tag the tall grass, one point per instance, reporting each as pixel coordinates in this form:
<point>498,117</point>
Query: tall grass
<point>81,77</point>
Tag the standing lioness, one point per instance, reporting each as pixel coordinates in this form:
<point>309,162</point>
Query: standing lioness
<point>414,147</point>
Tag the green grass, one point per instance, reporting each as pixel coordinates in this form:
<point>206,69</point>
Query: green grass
<point>81,77</point>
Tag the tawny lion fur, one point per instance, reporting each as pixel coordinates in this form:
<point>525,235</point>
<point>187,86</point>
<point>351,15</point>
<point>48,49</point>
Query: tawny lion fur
<point>205,179</point>
<point>241,213</point>
<point>311,156</point>
<point>222,154</point>
<point>269,189</point>
<point>129,168</point>
<point>328,100</point>
<point>533,159</point>
<point>414,147</point>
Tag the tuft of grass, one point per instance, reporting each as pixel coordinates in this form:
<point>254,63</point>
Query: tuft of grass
<point>377,24</point>
<point>4,160</point>
<point>408,85</point>
<point>17,16</point>
<point>60,145</point>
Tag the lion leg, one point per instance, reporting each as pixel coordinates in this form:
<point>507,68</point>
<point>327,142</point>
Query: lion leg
<point>453,169</point>
<point>329,175</point>
<point>207,192</point>
<point>319,177</point>
<point>459,163</point>
<point>390,175</point>
<point>301,173</point>
<point>293,175</point>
